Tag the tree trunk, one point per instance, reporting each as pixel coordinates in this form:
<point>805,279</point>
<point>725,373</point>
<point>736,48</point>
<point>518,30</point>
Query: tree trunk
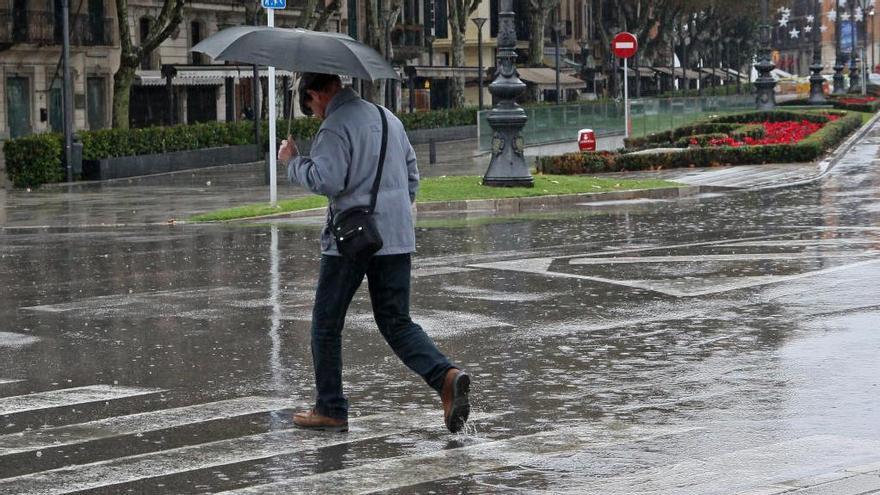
<point>456,89</point>
<point>536,44</point>
<point>122,81</point>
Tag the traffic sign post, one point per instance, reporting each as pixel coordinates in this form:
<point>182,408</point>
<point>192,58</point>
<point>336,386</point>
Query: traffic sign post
<point>270,6</point>
<point>625,45</point>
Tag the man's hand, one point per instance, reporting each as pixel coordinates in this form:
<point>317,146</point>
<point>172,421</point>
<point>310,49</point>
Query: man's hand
<point>288,150</point>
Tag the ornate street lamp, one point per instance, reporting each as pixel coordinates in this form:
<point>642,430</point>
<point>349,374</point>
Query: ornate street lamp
<point>839,79</point>
<point>817,81</point>
<point>855,79</point>
<point>508,165</point>
<point>479,21</point>
<point>765,98</point>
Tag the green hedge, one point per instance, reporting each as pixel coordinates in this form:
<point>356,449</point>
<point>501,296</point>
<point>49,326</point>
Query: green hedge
<point>811,148</point>
<point>34,160</point>
<point>108,143</point>
<point>867,107</point>
<point>680,136</point>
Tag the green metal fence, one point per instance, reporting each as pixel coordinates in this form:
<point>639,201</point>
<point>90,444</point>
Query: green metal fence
<point>560,123</point>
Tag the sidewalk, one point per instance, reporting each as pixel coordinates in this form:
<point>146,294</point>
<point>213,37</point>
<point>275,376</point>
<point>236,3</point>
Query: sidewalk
<point>857,480</point>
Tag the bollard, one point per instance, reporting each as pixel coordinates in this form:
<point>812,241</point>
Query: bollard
<point>587,140</point>
<point>432,151</point>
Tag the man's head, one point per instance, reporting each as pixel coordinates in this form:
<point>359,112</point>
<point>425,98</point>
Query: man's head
<point>316,91</point>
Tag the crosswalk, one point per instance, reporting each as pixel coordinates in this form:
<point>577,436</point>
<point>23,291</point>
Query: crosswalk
<point>248,445</point>
<point>96,455</point>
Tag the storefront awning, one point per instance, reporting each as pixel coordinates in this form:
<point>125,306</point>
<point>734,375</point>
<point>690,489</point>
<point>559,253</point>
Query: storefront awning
<point>546,78</point>
<point>443,72</point>
<point>691,74</point>
<point>643,72</point>
<point>203,75</point>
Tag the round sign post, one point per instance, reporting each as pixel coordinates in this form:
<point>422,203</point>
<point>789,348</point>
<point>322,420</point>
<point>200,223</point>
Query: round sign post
<point>625,45</point>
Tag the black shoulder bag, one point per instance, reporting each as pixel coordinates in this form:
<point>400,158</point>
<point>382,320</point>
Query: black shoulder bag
<point>357,236</point>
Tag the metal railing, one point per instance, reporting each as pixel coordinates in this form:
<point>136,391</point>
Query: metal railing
<point>561,123</point>
<point>40,28</point>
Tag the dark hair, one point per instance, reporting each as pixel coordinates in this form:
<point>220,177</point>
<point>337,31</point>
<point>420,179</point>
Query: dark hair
<point>315,82</point>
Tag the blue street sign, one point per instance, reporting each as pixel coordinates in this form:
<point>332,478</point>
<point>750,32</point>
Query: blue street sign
<point>274,4</point>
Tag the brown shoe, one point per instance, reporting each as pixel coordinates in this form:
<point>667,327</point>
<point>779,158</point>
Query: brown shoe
<point>456,406</point>
<point>315,421</point>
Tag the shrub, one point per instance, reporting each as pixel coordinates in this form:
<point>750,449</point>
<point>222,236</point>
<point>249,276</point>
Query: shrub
<point>34,160</point>
<point>809,149</point>
<point>868,104</point>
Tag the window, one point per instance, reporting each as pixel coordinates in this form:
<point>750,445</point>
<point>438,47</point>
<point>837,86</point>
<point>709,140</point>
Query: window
<point>352,19</point>
<point>18,111</point>
<point>96,22</point>
<point>19,21</point>
<point>441,19</point>
<point>96,94</point>
<point>58,24</point>
<point>144,28</point>
<point>196,35</point>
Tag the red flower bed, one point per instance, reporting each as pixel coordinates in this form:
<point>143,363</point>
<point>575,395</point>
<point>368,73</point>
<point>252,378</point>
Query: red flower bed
<point>856,100</point>
<point>790,132</point>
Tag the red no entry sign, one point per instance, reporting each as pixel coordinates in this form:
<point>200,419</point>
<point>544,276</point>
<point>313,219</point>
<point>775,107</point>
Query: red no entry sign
<point>624,45</point>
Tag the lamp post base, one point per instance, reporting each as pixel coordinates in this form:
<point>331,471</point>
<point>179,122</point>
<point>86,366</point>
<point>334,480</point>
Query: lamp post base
<point>855,80</point>
<point>817,86</point>
<point>765,95</point>
<point>839,81</point>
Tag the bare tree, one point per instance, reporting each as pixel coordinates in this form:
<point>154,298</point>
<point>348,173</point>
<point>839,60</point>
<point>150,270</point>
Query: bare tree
<point>538,10</point>
<point>459,13</point>
<point>132,55</point>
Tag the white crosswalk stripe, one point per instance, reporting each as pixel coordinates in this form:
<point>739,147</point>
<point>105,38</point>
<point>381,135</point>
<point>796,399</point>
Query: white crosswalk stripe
<point>35,440</point>
<point>69,397</point>
<point>4,381</point>
<point>398,472</point>
<point>219,453</point>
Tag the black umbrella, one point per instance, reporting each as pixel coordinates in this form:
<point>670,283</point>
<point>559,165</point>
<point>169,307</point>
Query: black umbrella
<point>297,50</point>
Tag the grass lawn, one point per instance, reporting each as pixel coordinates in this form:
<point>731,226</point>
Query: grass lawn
<point>453,189</point>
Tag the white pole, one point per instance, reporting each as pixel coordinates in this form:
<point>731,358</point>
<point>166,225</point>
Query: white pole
<point>273,167</point>
<point>626,95</point>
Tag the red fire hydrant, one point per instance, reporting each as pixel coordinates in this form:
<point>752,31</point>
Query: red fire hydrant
<point>587,140</point>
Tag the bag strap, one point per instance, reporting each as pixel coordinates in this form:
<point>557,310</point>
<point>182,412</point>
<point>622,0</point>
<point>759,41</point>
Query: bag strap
<point>375,192</point>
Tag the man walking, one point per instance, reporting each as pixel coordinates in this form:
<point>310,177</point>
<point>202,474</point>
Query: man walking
<point>342,166</point>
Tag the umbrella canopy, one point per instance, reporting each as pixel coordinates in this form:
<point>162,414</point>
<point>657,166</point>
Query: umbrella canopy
<point>298,50</point>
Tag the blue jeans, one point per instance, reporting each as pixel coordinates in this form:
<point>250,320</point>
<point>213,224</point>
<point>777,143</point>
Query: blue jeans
<point>389,282</point>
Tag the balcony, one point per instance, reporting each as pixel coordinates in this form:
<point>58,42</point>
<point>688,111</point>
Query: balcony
<point>408,41</point>
<point>40,28</point>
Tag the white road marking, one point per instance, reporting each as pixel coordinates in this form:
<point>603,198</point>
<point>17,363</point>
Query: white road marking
<point>4,381</point>
<point>398,472</point>
<point>94,475</point>
<point>69,397</point>
<point>670,287</point>
<point>137,423</point>
<point>717,257</point>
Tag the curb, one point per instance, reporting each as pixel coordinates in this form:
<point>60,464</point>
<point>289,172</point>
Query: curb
<point>546,203</point>
<point>513,205</point>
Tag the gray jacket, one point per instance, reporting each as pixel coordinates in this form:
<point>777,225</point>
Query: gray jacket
<point>342,166</point>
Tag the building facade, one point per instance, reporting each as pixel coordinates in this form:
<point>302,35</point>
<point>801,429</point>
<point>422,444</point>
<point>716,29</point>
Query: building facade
<point>30,64</point>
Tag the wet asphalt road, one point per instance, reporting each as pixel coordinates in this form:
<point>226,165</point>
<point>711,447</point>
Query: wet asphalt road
<point>720,344</point>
